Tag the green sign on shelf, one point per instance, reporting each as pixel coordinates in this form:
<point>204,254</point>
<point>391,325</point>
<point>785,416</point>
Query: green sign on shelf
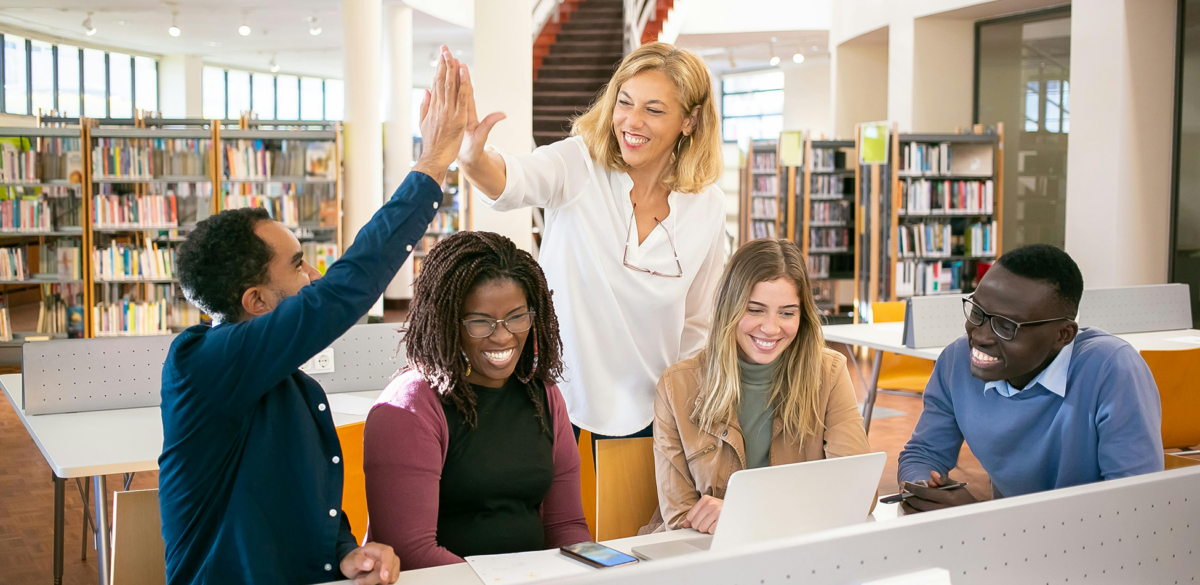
<point>791,149</point>
<point>874,149</point>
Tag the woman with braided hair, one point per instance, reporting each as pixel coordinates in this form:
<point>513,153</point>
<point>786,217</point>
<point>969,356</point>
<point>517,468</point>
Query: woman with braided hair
<point>469,449</point>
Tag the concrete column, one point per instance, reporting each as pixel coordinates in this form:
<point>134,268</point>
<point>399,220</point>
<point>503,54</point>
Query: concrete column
<point>1119,159</point>
<point>943,74</point>
<point>179,91</point>
<point>901,38</point>
<point>806,97</point>
<point>503,79</point>
<point>397,126</point>
<point>363,130</point>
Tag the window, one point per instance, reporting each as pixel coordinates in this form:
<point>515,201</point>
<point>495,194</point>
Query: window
<point>752,106</point>
<point>287,97</point>
<point>239,92</point>
<point>95,84</point>
<point>16,80</point>
<point>41,76</point>
<point>312,99</point>
<point>120,86</point>
<point>68,81</point>
<point>213,93</point>
<point>145,74</point>
<point>264,96</point>
<point>334,99</point>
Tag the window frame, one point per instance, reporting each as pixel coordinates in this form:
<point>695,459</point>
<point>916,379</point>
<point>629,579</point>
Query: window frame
<point>750,92</point>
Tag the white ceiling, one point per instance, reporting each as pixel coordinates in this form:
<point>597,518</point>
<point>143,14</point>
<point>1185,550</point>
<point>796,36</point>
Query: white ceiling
<point>209,28</point>
<point>752,50</point>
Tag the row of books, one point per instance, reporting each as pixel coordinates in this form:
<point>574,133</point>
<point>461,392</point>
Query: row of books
<point>26,215</point>
<point>818,266</point>
<point>828,239</point>
<point>917,277</point>
<point>6,333</point>
<point>127,262</point>
<point>132,211</point>
<point>58,159</point>
<point>924,240</point>
<point>766,184</point>
<point>254,159</point>
<point>826,159</point>
<point>120,158</point>
<point>763,162</point>
<point>763,229</point>
<point>62,258</point>
<point>827,186</point>
<point>282,209</point>
<point>444,222</point>
<point>830,211</point>
<point>13,264</point>
<point>763,208</point>
<point>981,239</point>
<point>61,310</point>
<point>129,317</point>
<point>924,196</point>
<point>320,255</point>
<point>925,159</point>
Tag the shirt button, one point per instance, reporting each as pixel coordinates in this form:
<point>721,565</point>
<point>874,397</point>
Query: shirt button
<point>321,407</point>
<point>328,567</point>
<point>336,459</point>
<point>333,513</point>
<point>408,248</point>
<point>435,205</point>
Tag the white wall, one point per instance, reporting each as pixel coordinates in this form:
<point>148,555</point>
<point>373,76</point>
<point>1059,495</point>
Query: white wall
<point>943,74</point>
<point>179,93</point>
<point>724,16</point>
<point>806,94</point>
<point>860,86</point>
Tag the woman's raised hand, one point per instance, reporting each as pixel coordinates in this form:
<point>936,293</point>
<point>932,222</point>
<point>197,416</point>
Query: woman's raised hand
<point>476,131</point>
<point>444,116</point>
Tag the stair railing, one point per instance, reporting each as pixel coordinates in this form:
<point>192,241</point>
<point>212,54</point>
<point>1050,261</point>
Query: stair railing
<point>637,14</point>
<point>544,11</point>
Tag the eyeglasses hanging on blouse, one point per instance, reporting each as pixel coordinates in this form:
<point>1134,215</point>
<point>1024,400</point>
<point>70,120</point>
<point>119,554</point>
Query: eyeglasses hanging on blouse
<point>625,259</point>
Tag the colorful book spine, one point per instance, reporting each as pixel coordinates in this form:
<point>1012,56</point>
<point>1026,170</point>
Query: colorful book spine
<point>121,262</point>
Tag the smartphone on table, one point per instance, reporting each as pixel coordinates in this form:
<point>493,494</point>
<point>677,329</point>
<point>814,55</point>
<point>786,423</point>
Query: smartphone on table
<point>904,495</point>
<point>597,555</point>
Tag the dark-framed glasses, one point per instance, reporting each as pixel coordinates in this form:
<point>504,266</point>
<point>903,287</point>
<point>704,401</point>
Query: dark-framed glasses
<point>1002,326</point>
<point>485,326</point>
<point>625,258</point>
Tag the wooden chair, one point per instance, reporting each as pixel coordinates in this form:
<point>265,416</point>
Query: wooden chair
<point>587,480</point>
<point>899,372</point>
<point>354,483</point>
<point>1177,374</point>
<point>626,492</point>
<point>138,552</point>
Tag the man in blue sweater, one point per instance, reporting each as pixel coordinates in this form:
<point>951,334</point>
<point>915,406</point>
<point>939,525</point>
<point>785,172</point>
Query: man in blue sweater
<point>250,482</point>
<point>1042,404</point>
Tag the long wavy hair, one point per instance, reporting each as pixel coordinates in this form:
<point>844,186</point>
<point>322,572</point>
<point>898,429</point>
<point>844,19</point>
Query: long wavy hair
<point>433,337</point>
<point>796,385</point>
<point>697,159</point>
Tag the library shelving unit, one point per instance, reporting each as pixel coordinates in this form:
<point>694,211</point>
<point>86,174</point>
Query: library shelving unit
<point>762,212</point>
<point>873,234</point>
<point>826,193</point>
<point>452,216</point>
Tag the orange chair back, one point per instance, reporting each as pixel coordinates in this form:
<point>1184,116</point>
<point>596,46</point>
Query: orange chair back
<point>899,372</point>
<point>626,492</point>
<point>587,480</point>
<point>889,312</point>
<point>1177,374</point>
<point>354,483</point>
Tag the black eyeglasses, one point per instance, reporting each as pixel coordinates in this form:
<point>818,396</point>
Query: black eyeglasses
<point>1003,327</point>
<point>485,327</point>
<point>625,258</point>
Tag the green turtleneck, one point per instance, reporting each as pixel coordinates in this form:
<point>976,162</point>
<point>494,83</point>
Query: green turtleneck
<point>756,414</point>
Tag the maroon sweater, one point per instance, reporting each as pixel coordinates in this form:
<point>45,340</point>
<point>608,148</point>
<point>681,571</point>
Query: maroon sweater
<point>403,483</point>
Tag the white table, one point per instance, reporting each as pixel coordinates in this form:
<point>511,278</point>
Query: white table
<point>890,337</point>
<point>462,574</point>
<point>98,443</point>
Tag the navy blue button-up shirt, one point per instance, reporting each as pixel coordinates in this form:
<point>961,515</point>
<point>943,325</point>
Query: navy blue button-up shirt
<point>250,480</point>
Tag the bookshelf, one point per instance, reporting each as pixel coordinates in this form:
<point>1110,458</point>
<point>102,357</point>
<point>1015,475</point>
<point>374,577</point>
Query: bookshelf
<point>826,193</point>
<point>763,211</point>
<point>452,216</point>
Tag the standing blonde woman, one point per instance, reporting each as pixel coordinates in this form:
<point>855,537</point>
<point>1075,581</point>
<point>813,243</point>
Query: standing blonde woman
<point>634,240</point>
<point>764,391</point>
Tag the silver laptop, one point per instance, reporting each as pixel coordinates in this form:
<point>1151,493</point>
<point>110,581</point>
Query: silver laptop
<point>786,500</point>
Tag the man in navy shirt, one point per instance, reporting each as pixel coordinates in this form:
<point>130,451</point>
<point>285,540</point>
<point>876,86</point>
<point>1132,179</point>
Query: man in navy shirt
<point>1042,403</point>
<point>250,483</point>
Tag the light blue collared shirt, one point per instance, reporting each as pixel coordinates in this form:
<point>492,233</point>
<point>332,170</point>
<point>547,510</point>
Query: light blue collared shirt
<point>1053,378</point>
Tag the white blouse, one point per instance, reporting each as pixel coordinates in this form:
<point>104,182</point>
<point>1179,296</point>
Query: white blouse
<point>620,328</point>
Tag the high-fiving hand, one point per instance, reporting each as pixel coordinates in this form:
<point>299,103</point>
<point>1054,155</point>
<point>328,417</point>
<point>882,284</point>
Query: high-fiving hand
<point>444,115</point>
<point>476,131</point>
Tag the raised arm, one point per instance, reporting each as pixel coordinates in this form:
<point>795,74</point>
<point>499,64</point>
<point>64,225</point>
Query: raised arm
<point>485,170</point>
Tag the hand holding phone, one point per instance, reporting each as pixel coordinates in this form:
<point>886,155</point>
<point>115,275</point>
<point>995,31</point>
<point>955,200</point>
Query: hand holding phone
<point>905,494</point>
<point>597,555</point>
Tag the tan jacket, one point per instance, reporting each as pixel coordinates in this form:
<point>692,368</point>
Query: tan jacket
<point>691,462</point>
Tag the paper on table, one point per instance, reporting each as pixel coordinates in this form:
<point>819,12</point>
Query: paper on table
<point>526,567</point>
<point>352,405</point>
<point>1192,339</point>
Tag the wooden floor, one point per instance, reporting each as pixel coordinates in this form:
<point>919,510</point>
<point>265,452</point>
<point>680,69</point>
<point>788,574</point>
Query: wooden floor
<point>27,495</point>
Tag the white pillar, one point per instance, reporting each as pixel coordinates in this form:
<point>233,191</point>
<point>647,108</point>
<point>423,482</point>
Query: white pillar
<point>943,74</point>
<point>1119,158</point>
<point>900,72</point>
<point>179,79</point>
<point>363,131</point>
<point>860,83</point>
<point>397,126</point>
<point>806,97</point>
<point>503,79</point>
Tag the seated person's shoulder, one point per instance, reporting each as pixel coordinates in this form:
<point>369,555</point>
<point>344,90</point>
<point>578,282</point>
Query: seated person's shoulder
<point>410,391</point>
<point>832,361</point>
<point>682,380</point>
<point>1096,346</point>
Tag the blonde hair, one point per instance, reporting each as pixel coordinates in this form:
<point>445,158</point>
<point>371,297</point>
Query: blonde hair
<point>796,384</point>
<point>697,160</point>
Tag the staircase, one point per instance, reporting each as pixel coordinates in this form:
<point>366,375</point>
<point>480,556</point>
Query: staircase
<point>573,59</point>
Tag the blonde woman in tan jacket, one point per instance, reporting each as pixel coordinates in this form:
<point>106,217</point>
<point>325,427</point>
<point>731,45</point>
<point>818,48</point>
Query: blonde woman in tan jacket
<point>764,390</point>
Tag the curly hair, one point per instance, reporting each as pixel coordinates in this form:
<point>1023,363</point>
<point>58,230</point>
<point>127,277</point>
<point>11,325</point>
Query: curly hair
<point>433,337</point>
<point>1046,263</point>
<point>222,258</point>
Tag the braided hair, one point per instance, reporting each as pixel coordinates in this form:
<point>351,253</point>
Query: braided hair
<point>433,338</point>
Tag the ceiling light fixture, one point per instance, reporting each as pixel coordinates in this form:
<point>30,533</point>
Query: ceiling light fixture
<point>797,57</point>
<point>774,57</point>
<point>244,30</point>
<point>88,29</point>
<point>174,30</point>
<point>313,29</point>
<point>273,65</point>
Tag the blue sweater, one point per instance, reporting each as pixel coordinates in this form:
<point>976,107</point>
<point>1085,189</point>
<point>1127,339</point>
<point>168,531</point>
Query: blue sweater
<point>1108,425</point>
<point>250,477</point>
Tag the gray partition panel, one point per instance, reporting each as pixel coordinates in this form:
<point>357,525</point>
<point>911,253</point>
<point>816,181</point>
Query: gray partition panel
<point>937,320</point>
<point>1137,309</point>
<point>80,375</point>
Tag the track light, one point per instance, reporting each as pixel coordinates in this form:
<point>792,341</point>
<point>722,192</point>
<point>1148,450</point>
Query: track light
<point>88,29</point>
<point>313,29</point>
<point>244,30</point>
<point>797,57</point>
<point>174,30</point>
<point>273,65</point>
<point>774,57</point>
